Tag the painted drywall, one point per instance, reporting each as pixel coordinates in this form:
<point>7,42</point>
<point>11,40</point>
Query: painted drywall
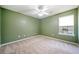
<point>40,26</point>
<point>16,26</point>
<point>49,26</point>
<point>78,24</point>
<point>0,25</point>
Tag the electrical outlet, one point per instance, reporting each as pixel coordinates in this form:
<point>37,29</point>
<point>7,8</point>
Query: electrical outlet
<point>24,35</point>
<point>19,36</point>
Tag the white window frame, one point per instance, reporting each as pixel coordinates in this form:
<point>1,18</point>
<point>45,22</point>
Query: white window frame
<point>59,26</point>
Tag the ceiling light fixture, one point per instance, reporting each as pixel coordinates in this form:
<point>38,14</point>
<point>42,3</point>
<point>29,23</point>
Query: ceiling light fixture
<point>41,9</point>
<point>40,14</point>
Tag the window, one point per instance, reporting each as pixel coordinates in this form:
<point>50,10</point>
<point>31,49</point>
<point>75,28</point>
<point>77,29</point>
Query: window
<point>66,25</point>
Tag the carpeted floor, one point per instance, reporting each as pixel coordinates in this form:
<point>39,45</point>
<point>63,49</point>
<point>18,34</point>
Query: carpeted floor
<point>40,45</point>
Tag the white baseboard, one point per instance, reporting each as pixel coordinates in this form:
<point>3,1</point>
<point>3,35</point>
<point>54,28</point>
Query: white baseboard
<point>34,37</point>
<point>77,44</point>
<point>18,40</point>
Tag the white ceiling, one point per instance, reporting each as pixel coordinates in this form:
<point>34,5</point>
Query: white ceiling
<point>32,10</point>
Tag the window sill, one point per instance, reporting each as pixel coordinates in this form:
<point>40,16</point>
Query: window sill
<point>66,34</point>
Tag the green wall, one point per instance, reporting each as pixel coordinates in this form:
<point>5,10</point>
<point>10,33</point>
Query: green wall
<point>78,24</point>
<point>49,26</point>
<point>0,25</point>
<point>15,26</point>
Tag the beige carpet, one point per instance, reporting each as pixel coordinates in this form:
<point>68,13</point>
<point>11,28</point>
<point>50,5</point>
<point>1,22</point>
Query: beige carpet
<point>40,45</point>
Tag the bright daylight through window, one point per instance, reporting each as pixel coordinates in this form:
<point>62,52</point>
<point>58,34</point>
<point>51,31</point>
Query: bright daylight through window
<point>66,25</point>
